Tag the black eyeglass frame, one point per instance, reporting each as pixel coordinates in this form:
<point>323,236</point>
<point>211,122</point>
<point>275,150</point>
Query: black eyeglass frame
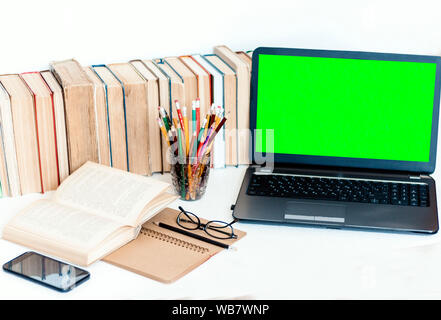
<point>204,226</point>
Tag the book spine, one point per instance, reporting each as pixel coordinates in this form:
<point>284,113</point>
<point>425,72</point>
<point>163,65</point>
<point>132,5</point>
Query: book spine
<point>5,185</point>
<point>36,129</point>
<point>107,108</point>
<point>55,125</point>
<point>125,114</point>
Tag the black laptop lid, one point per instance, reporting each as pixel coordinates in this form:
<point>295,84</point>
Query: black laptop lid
<point>344,108</point>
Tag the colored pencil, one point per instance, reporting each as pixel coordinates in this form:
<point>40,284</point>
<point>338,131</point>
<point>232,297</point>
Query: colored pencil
<point>165,118</point>
<point>198,115</point>
<point>193,117</point>
<point>181,161</point>
<point>186,135</point>
<point>178,111</point>
<point>163,130</point>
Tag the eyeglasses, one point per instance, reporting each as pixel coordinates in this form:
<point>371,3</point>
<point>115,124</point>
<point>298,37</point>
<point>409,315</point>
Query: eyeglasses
<point>215,228</point>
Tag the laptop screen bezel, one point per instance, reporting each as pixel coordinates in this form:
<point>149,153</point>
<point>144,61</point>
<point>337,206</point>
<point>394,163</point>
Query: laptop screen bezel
<point>396,165</point>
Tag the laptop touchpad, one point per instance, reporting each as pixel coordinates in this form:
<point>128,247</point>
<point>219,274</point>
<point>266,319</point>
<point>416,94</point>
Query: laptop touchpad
<point>314,212</point>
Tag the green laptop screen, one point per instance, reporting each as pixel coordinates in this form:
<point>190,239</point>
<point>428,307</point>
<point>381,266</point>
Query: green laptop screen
<point>371,109</point>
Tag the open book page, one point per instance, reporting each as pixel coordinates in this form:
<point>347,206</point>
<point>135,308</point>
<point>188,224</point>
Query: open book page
<point>63,224</point>
<point>156,205</point>
<point>109,192</point>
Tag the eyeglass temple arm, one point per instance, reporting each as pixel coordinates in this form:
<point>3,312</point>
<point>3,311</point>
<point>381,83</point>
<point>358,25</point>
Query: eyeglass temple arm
<point>185,213</point>
<point>234,221</point>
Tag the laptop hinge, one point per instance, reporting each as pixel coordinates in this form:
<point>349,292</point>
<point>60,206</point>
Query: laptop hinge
<point>414,177</point>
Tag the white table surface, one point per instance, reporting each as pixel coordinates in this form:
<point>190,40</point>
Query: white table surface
<point>271,262</point>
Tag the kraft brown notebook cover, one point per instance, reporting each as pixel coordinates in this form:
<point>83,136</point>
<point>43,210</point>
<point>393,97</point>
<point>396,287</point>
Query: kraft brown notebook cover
<point>165,255</point>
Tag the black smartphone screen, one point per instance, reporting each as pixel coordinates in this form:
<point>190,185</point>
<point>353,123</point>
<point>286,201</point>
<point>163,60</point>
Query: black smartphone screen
<point>46,271</point>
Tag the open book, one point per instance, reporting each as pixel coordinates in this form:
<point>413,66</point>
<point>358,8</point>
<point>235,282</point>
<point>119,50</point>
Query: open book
<point>94,211</point>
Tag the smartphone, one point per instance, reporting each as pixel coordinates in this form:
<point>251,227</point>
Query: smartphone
<point>46,271</point>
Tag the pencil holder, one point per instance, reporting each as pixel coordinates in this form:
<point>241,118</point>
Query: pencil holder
<point>190,176</point>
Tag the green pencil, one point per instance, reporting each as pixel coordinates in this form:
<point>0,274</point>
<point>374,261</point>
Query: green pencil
<point>165,118</point>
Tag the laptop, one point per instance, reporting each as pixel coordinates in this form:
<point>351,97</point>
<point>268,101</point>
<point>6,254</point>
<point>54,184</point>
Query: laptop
<point>342,139</point>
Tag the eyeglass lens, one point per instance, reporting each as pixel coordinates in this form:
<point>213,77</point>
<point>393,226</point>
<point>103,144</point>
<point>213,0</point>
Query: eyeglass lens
<point>217,229</point>
<point>188,220</point>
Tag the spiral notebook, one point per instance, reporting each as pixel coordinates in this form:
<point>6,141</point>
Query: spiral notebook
<point>165,255</point>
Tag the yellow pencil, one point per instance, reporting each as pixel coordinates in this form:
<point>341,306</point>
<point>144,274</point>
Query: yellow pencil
<point>164,132</point>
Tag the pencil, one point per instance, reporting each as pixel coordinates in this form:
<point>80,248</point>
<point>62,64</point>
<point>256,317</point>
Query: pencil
<point>192,144</point>
<point>207,125</point>
<point>181,163</point>
<point>164,132</point>
<point>178,111</point>
<point>201,132</point>
<point>206,146</point>
<point>202,145</point>
<point>190,160</point>
<point>193,117</point>
<point>198,115</point>
<point>192,235</point>
<point>210,112</point>
<point>174,139</point>
<point>182,141</point>
<point>186,137</point>
<point>165,118</point>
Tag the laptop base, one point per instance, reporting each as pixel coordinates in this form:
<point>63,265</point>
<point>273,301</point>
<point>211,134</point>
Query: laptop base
<point>338,214</point>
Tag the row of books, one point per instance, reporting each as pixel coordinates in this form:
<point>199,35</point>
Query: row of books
<point>53,121</point>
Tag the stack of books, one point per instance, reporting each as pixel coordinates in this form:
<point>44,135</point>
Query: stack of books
<point>54,121</point>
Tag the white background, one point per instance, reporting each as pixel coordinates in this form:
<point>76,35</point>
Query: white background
<point>33,33</point>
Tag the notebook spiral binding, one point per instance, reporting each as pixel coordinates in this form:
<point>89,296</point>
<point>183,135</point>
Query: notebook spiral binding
<point>175,241</point>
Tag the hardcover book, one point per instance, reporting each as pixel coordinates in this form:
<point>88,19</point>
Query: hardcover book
<point>230,106</point>
<point>60,123</point>
<point>177,88</point>
<point>190,84</point>
<point>245,58</point>
<point>116,117</point>
<point>10,177</point>
<point>243,99</point>
<point>152,107</point>
<point>100,106</point>
<point>137,122</point>
<point>165,100</point>
<point>45,126</point>
<point>4,179</point>
<point>204,83</point>
<point>219,101</point>
<point>78,94</point>
<point>25,133</point>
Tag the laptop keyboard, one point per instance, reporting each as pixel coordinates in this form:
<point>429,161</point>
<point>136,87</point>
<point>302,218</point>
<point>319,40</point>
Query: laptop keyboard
<point>347,190</point>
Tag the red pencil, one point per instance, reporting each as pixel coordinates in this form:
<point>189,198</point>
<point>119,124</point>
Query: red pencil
<point>178,110</point>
